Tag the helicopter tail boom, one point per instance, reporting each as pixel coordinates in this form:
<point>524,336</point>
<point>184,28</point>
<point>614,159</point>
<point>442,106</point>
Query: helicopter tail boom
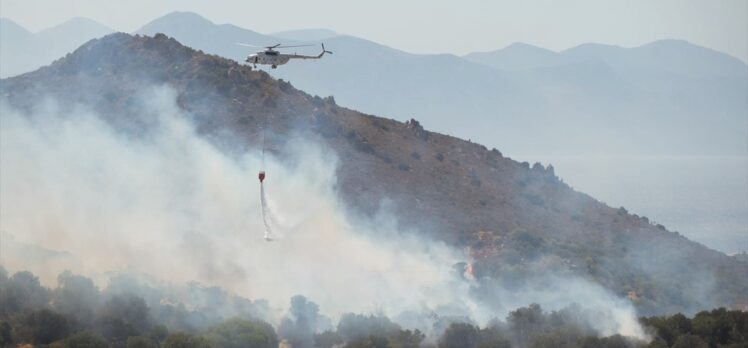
<point>299,56</point>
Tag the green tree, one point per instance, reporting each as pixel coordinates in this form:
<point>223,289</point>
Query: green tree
<point>236,333</point>
<point>327,339</point>
<point>22,292</point>
<point>715,326</point>
<point>669,328</point>
<point>184,340</point>
<point>77,298</point>
<point>689,341</point>
<point>84,339</point>
<point>6,336</point>
<point>615,341</point>
<point>555,338</point>
<point>42,327</point>
<point>159,333</point>
<point>356,326</point>
<point>125,316</point>
<point>140,342</point>
<point>459,335</point>
<point>718,327</point>
<point>491,337</point>
<point>656,343</point>
<point>525,321</point>
<point>369,342</point>
<point>407,339</point>
<point>300,323</point>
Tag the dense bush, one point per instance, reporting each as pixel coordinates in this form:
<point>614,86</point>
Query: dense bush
<point>237,333</point>
<point>77,314</point>
<point>717,328</point>
<point>185,340</point>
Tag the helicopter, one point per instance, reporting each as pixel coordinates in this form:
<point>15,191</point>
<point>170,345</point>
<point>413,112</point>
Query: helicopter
<point>274,58</point>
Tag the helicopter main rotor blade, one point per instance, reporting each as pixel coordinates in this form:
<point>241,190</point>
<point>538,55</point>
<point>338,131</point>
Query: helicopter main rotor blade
<point>248,45</point>
<point>294,46</point>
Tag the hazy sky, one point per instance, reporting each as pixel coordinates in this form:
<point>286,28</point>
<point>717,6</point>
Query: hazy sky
<point>435,26</point>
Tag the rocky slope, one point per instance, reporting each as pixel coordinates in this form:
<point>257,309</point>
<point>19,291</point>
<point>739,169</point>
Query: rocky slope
<point>515,218</point>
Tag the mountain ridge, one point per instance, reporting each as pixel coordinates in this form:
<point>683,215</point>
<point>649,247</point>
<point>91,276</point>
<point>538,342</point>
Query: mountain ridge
<point>659,54</point>
<point>309,34</point>
<point>76,23</point>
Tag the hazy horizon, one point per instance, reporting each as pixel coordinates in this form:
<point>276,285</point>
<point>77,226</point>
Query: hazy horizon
<point>722,27</point>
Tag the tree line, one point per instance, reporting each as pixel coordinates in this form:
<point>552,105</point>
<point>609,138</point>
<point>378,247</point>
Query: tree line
<point>77,314</point>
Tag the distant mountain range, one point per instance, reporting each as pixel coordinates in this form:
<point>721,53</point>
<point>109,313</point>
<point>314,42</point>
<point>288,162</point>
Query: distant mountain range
<point>672,56</point>
<point>22,51</point>
<point>665,98</point>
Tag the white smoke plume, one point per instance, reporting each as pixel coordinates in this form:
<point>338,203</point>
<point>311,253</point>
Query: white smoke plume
<point>170,204</point>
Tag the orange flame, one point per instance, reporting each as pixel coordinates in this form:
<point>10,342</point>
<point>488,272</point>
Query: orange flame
<point>469,271</point>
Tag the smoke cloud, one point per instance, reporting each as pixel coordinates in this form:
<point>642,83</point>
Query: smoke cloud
<point>168,203</point>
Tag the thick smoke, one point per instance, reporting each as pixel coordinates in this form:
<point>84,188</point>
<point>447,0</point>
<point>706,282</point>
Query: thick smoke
<point>170,204</point>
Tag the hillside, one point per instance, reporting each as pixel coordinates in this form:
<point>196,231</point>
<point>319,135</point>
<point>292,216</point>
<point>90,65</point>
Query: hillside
<point>516,219</point>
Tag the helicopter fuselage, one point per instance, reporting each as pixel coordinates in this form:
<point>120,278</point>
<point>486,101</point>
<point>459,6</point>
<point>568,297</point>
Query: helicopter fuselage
<point>272,58</point>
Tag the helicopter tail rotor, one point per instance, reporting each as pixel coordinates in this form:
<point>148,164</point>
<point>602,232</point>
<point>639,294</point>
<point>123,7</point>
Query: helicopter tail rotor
<point>324,50</point>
